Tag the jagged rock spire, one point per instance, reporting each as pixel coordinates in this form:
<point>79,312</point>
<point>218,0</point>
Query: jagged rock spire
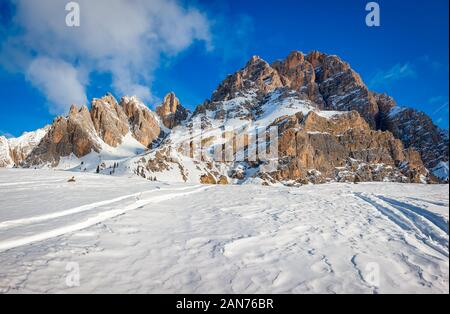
<point>171,112</point>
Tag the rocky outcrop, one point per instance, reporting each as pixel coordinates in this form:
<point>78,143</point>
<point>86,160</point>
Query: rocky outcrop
<point>14,151</point>
<point>75,135</point>
<point>332,128</point>
<point>385,104</point>
<point>256,77</point>
<point>22,146</point>
<point>299,74</point>
<point>171,112</point>
<point>416,130</point>
<point>109,119</point>
<point>84,131</point>
<point>143,123</point>
<point>326,149</point>
<point>342,88</point>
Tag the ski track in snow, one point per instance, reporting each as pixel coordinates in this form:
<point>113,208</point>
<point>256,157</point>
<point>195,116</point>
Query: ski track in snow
<point>136,237</point>
<point>9,244</point>
<point>426,226</point>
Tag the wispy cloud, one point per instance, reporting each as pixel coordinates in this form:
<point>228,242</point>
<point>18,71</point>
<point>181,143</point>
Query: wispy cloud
<point>434,65</point>
<point>123,38</point>
<point>440,103</point>
<point>59,81</point>
<point>396,73</point>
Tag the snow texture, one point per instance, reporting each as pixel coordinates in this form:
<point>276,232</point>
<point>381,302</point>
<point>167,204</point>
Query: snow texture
<point>130,235</point>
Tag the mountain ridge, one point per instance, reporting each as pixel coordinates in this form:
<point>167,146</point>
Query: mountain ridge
<point>290,92</point>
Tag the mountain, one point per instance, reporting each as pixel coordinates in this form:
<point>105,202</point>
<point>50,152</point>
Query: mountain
<point>329,127</point>
<point>14,151</point>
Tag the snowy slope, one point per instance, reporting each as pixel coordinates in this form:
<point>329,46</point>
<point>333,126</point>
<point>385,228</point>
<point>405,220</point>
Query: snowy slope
<point>180,167</point>
<point>28,140</point>
<point>441,170</point>
<point>5,155</point>
<point>18,148</point>
<point>130,235</point>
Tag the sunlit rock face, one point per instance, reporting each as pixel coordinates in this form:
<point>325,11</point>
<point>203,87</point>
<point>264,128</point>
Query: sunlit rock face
<point>331,127</point>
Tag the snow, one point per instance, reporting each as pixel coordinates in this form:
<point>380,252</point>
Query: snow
<point>329,114</point>
<point>28,139</point>
<point>396,110</point>
<point>108,155</point>
<point>23,144</point>
<point>441,170</point>
<point>278,105</point>
<point>131,235</point>
<point>5,156</point>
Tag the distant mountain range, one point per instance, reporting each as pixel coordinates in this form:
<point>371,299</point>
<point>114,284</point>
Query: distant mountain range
<point>330,127</point>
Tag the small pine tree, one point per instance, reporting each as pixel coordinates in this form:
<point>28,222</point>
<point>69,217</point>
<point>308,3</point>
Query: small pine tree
<point>98,169</point>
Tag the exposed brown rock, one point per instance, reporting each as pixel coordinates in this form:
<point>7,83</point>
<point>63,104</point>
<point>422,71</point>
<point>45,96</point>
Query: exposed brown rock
<point>416,130</point>
<point>143,122</point>
<point>72,135</point>
<point>371,140</point>
<point>342,88</point>
<point>222,180</point>
<point>299,74</point>
<point>256,75</point>
<point>171,112</point>
<point>208,179</point>
<point>329,146</point>
<point>109,119</point>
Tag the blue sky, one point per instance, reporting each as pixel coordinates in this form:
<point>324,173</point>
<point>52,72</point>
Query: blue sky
<point>407,56</point>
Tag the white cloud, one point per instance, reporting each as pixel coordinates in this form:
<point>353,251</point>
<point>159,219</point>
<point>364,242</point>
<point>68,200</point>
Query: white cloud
<point>392,75</point>
<point>59,81</point>
<point>125,38</point>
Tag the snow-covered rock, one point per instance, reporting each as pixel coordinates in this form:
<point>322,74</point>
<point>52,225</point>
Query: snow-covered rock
<point>5,155</point>
<point>176,145</point>
<point>441,170</point>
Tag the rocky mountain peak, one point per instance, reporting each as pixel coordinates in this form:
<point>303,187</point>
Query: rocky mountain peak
<point>142,122</point>
<point>417,130</point>
<point>299,74</point>
<point>256,78</point>
<point>73,109</point>
<point>170,104</point>
<point>332,127</point>
<point>295,57</point>
<point>109,119</point>
<point>171,112</point>
<point>254,60</point>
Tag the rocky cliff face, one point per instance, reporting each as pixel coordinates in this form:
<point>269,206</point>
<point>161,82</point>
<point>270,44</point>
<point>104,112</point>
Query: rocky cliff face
<point>75,134</point>
<point>84,131</point>
<point>331,128</point>
<point>109,120</point>
<point>256,77</point>
<point>330,84</point>
<point>416,130</point>
<point>299,74</point>
<point>171,111</point>
<point>143,123</point>
<point>342,148</point>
